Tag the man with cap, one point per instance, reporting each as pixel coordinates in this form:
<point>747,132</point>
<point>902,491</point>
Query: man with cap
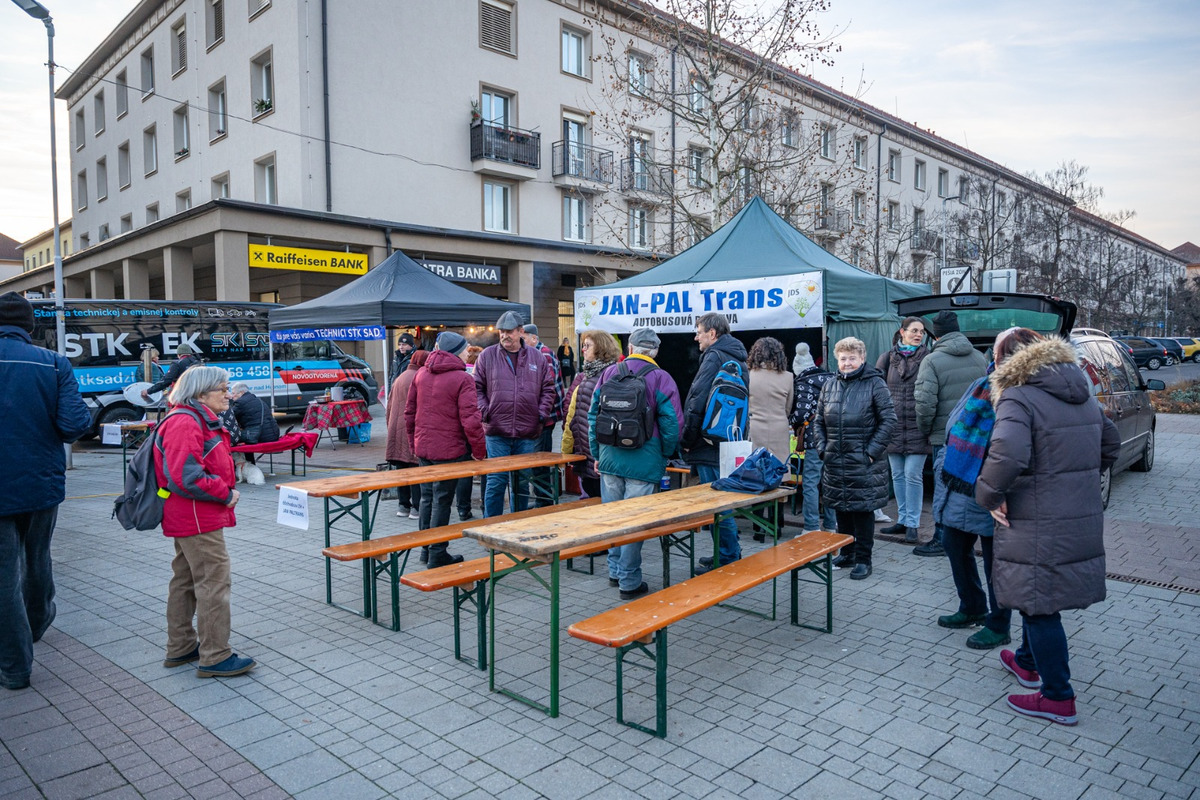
<point>42,411</point>
<point>635,472</point>
<point>444,426</point>
<point>404,351</point>
<point>515,391</point>
<point>952,365</point>
<point>541,476</point>
<point>187,358</point>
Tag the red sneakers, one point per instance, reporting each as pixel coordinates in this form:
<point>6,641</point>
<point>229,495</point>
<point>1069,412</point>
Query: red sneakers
<point>1026,677</point>
<point>1035,705</point>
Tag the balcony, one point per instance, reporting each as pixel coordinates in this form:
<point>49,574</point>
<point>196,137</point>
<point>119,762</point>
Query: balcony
<point>966,250</point>
<point>924,243</point>
<point>640,175</point>
<point>574,163</point>
<point>831,223</point>
<point>507,152</point>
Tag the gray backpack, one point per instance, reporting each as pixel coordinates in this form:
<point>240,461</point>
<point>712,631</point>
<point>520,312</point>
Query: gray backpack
<point>140,506</point>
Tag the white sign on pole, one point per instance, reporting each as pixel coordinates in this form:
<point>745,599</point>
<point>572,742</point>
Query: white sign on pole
<point>952,275</point>
<point>293,508</point>
<point>777,301</point>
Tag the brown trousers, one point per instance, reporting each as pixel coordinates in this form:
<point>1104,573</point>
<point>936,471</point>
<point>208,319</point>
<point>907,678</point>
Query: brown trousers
<point>200,588</point>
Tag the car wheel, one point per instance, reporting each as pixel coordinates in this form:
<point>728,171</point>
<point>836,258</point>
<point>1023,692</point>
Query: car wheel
<point>1146,462</point>
<point>1105,486</point>
<point>352,391</point>
<point>1154,362</point>
<point>1171,361</point>
<point>1196,357</point>
<point>117,413</point>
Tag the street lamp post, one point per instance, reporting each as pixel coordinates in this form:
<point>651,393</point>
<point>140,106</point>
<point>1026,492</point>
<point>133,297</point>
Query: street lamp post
<point>946,228</point>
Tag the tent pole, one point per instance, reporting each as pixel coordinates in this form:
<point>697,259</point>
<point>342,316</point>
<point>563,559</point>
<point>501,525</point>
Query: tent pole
<point>271,368</point>
<point>384,369</point>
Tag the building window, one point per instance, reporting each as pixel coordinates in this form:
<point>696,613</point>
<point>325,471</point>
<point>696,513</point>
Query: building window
<point>698,96</point>
<point>790,133</point>
<point>575,217</point>
<point>150,150</point>
<point>964,190</point>
<point>826,198</point>
<point>943,183</point>
<point>918,220</point>
<point>856,255</point>
<point>1002,204</point>
<point>827,141</point>
<point>98,110</point>
<point>218,108</point>
<point>80,130</point>
<point>262,84</point>
<point>747,113</point>
<point>265,189</point>
<point>860,200</point>
<point>81,190</point>
<point>893,168</point>
<point>496,108</point>
<point>148,72</point>
<point>178,48</point>
<point>639,74</point>
<point>697,167</point>
<point>101,179</point>
<point>698,230</point>
<point>575,55</point>
<point>497,207</point>
<point>640,161</point>
<point>893,216</point>
<point>220,187</point>
<point>183,201</point>
<point>122,92</point>
<point>860,152</point>
<point>124,170</point>
<point>919,175</point>
<point>103,233</point>
<point>85,241</point>
<point>182,140</point>
<point>214,13</point>
<point>256,6</point>
<point>639,228</point>
<point>152,213</point>
<point>497,29</point>
<point>126,223</point>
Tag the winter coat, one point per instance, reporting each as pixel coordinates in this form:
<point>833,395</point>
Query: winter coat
<point>400,363</point>
<point>1050,443</point>
<point>560,388</point>
<point>853,427</point>
<point>399,446</point>
<point>648,462</point>
<point>575,438</point>
<point>954,509</point>
<point>177,369</point>
<point>770,403</point>
<point>900,373</point>
<point>42,410</point>
<point>515,392</point>
<point>193,462</point>
<point>696,449</point>
<point>255,419</point>
<point>807,388</point>
<point>441,415</point>
<point>951,366</point>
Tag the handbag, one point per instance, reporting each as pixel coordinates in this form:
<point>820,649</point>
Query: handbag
<point>760,472</point>
<point>733,452</point>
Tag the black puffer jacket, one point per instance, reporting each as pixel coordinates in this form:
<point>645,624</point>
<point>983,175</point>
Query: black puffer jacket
<point>697,449</point>
<point>900,373</point>
<point>255,419</point>
<point>853,426</point>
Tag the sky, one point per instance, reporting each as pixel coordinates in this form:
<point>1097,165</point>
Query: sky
<point>1112,84</point>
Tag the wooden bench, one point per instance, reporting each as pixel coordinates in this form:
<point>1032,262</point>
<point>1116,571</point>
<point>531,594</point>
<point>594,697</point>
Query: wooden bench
<point>460,577</point>
<point>388,549</point>
<point>644,621</point>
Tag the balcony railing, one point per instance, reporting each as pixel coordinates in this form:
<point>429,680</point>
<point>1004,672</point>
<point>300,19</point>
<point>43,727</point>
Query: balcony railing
<point>582,161</point>
<point>966,250</point>
<point>640,175</point>
<point>510,145</point>
<point>924,242</point>
<point>832,221</point>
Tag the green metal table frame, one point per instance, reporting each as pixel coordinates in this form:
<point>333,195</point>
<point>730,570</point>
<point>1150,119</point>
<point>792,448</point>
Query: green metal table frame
<point>774,526</point>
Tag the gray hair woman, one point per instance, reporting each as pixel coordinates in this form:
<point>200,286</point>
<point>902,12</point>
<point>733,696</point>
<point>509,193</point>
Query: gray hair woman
<point>193,462</point>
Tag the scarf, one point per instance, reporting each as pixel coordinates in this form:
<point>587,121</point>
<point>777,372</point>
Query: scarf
<point>907,349</point>
<point>968,438</point>
<point>593,368</point>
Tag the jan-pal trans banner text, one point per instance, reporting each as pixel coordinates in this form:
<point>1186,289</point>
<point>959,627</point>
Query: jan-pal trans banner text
<point>778,301</point>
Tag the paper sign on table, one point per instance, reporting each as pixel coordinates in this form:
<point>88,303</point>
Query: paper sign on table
<point>293,508</point>
<point>110,433</point>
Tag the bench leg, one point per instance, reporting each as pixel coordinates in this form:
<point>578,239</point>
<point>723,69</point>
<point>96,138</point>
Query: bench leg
<point>394,567</point>
<point>478,598</point>
<point>683,542</point>
<point>659,657</point>
<point>823,569</point>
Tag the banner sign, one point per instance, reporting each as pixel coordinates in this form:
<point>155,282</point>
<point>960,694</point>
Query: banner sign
<point>461,271</point>
<point>272,257</point>
<point>778,301</point>
<point>352,334</point>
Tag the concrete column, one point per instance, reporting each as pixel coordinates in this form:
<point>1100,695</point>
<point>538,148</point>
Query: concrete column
<point>135,275</point>
<point>103,285</point>
<point>177,273</point>
<point>230,249</point>
<point>609,275</point>
<point>376,256</point>
<point>74,286</point>
<point>520,284</point>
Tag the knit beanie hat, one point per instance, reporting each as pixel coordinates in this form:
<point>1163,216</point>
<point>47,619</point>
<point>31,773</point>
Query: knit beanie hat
<point>453,343</point>
<point>16,310</point>
<point>944,322</point>
<point>803,359</point>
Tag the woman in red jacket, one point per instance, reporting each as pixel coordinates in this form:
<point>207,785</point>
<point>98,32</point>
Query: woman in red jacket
<point>194,463</point>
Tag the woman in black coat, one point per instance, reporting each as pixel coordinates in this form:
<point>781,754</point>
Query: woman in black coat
<point>853,426</point>
<point>909,447</point>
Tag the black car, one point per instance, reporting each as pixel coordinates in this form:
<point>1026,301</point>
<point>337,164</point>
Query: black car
<point>1146,353</point>
<point>1116,381</point>
<point>1174,349</point>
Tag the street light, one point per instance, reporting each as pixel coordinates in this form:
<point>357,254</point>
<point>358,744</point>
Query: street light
<point>946,227</point>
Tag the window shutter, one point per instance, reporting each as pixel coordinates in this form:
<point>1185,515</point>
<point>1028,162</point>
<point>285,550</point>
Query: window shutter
<point>218,19</point>
<point>181,48</point>
<point>495,26</point>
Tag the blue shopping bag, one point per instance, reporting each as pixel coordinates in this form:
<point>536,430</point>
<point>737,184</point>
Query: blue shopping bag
<point>360,433</point>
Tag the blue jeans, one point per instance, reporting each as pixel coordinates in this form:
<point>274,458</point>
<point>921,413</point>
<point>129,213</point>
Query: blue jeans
<point>625,562</point>
<point>435,500</point>
<point>26,590</point>
<point>1044,648</point>
<point>960,549</point>
<point>810,485</point>
<point>493,497</point>
<point>729,548</point>
<point>909,486</point>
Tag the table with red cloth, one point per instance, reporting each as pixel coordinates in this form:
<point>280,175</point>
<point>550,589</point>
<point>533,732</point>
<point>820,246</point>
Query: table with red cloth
<point>335,414</point>
<point>303,442</point>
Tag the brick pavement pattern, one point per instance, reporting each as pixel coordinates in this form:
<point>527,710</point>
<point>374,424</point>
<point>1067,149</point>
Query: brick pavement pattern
<point>889,705</point>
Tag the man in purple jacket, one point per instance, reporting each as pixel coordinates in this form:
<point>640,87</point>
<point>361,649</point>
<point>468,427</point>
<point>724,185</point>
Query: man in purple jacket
<point>515,389</point>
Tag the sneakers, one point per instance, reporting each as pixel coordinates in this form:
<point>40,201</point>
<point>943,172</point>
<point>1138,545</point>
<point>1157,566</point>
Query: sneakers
<point>1026,677</point>
<point>986,639</point>
<point>14,684</point>
<point>443,559</point>
<point>843,561</point>
<point>1035,705</point>
<point>881,517</point>
<point>632,593</point>
<point>860,572</point>
<point>960,620</point>
<point>414,513</point>
<point>706,562</point>
<point>403,512</point>
<point>911,536</point>
<point>931,548</point>
<point>234,665</point>
<point>893,529</point>
<point>613,582</point>
<point>186,658</point>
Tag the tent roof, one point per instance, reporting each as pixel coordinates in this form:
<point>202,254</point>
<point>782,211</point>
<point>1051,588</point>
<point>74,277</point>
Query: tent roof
<point>398,291</point>
<point>757,242</point>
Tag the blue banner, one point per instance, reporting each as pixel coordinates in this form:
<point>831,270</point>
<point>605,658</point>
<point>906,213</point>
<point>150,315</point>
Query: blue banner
<point>352,334</point>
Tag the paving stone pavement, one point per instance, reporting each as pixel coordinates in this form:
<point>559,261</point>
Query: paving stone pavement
<point>888,705</point>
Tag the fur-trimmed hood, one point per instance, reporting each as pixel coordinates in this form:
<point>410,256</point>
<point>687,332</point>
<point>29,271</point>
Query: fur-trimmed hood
<point>1051,365</point>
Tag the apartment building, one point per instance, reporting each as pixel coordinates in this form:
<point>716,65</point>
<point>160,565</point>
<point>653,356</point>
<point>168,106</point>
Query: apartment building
<point>38,251</point>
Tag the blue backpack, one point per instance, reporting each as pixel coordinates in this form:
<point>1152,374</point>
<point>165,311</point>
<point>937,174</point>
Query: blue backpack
<point>727,412</point>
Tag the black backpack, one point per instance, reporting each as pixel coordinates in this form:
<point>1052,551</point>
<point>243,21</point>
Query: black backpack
<point>140,505</point>
<point>624,414</point>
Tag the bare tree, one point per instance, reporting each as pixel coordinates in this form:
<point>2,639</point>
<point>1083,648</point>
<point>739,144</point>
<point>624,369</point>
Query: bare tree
<point>1185,306</point>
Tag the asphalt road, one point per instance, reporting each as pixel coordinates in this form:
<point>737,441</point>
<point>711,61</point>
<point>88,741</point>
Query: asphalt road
<point>1179,373</point>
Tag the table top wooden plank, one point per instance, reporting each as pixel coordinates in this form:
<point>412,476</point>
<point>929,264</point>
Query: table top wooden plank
<point>551,534</point>
<point>351,485</point>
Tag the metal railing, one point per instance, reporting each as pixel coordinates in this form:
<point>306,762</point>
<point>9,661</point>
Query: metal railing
<point>640,175</point>
<point>832,221</point>
<point>924,242</point>
<point>510,145</point>
<point>581,161</point>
